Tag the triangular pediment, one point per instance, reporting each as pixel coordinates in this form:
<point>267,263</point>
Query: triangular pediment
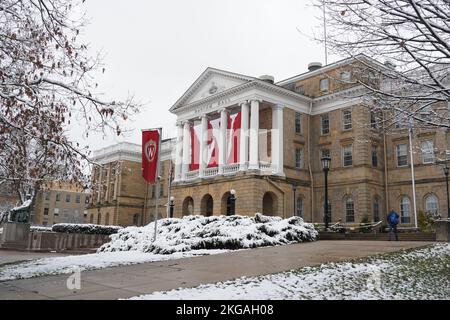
<point>211,82</point>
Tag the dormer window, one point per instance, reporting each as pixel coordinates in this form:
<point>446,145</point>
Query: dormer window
<point>300,89</point>
<point>345,75</point>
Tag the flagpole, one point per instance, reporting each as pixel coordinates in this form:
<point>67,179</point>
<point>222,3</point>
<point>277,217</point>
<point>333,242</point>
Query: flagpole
<point>413,178</point>
<point>169,182</point>
<point>158,183</point>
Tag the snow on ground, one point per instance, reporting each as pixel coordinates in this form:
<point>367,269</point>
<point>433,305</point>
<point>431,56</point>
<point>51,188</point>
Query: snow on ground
<point>68,264</point>
<point>215,232</point>
<point>176,238</point>
<point>409,274</point>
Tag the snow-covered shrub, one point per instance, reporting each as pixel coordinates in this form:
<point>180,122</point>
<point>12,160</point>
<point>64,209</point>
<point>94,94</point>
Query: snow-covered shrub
<point>85,228</point>
<point>215,232</point>
<point>40,229</point>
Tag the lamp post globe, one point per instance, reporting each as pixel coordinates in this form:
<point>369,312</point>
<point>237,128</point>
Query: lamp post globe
<point>326,167</point>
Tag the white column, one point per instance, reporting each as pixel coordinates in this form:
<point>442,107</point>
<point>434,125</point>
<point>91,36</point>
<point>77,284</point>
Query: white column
<point>186,149</point>
<point>243,147</point>
<point>223,139</point>
<point>203,145</point>
<point>277,140</point>
<point>254,136</point>
<point>178,152</point>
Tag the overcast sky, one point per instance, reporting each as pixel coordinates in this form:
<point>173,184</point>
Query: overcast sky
<point>156,49</point>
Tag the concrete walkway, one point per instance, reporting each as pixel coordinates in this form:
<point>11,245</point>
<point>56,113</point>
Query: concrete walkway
<point>128,281</point>
<point>12,256</point>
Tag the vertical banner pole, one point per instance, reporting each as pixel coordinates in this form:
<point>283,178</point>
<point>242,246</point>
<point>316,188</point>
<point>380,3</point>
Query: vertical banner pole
<point>169,182</point>
<point>158,183</point>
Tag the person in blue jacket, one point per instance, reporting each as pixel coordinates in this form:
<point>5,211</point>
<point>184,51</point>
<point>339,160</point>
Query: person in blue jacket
<point>392,219</point>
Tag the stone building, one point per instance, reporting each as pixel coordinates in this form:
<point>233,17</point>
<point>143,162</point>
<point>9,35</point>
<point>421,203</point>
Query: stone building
<point>286,127</point>
<point>269,153</point>
<point>120,196</point>
<point>59,202</point>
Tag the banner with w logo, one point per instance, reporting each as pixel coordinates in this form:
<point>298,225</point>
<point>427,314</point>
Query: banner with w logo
<point>150,154</point>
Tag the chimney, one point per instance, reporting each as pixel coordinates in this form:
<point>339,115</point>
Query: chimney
<point>267,78</point>
<point>314,66</point>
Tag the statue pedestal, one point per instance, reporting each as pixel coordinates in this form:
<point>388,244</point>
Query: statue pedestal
<point>15,235</point>
<point>443,230</point>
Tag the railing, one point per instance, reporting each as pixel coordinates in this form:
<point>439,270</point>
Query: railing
<point>210,172</point>
<point>265,166</point>
<point>231,168</point>
<point>191,175</point>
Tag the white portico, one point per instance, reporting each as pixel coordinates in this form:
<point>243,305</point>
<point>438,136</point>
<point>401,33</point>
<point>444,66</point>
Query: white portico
<point>209,104</point>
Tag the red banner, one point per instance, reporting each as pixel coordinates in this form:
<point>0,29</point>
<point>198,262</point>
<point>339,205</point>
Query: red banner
<point>150,153</point>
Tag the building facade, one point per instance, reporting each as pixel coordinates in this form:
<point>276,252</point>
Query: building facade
<point>59,202</point>
<point>120,196</point>
<point>285,128</point>
<point>264,140</point>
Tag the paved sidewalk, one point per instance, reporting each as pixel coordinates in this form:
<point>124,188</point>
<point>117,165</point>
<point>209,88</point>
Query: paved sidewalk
<point>128,281</point>
<point>12,256</point>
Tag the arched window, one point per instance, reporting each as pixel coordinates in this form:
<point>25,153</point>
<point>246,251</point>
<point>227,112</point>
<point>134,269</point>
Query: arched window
<point>405,208</point>
<point>349,210</point>
<point>99,218</point>
<point>299,207</point>
<point>431,205</point>
<point>107,218</point>
<point>376,209</point>
<point>91,219</point>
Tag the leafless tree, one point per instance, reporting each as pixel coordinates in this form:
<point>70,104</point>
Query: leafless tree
<point>402,54</point>
<point>47,83</point>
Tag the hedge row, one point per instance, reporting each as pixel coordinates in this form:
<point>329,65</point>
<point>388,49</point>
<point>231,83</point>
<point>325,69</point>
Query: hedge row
<point>85,228</point>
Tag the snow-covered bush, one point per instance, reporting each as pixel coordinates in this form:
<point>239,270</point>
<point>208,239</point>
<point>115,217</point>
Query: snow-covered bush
<point>40,229</point>
<point>215,232</point>
<point>85,228</point>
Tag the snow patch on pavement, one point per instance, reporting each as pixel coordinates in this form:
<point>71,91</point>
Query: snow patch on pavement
<point>418,274</point>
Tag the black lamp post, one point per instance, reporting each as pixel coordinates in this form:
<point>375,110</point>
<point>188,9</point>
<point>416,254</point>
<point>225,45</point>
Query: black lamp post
<point>232,202</point>
<point>294,188</point>
<point>171,205</point>
<point>326,167</point>
<point>446,171</point>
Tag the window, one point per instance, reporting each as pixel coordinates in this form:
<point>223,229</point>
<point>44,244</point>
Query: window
<point>324,84</point>
<point>78,198</point>
<point>299,208</point>
<point>298,122</point>
<point>45,211</point>
<point>91,219</point>
<point>324,124</point>
<point>153,192</point>
<point>67,197</point>
<point>347,152</point>
<point>345,75</point>
<point>298,158</point>
<point>300,89</point>
<point>107,218</point>
<point>402,155</point>
<point>427,151</point>
<point>376,209</point>
<point>431,205</point>
<point>349,210</point>
<point>56,212</point>
<point>347,119</point>
<point>99,218</point>
<point>373,120</point>
<point>58,196</point>
<point>404,210</point>
<point>374,156</point>
<point>161,189</point>
<point>47,195</point>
